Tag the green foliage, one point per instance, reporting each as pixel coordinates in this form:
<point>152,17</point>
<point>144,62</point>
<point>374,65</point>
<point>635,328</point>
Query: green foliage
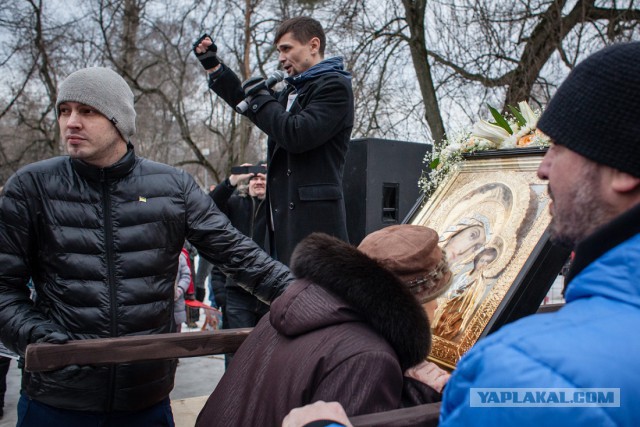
<point>500,121</point>
<point>516,113</point>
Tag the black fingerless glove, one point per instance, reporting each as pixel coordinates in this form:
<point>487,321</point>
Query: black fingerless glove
<point>208,59</point>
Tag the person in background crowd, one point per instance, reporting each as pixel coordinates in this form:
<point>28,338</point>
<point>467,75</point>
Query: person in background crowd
<point>4,369</point>
<point>183,281</point>
<point>346,329</point>
<point>206,271</point>
<point>100,232</point>
<point>246,211</point>
<point>193,313</point>
<point>309,126</point>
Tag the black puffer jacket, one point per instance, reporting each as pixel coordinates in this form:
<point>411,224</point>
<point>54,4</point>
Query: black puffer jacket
<point>102,248</point>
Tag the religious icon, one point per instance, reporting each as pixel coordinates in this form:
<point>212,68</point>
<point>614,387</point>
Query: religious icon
<point>490,215</point>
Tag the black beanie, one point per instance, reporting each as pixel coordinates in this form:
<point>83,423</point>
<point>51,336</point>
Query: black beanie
<point>596,111</point>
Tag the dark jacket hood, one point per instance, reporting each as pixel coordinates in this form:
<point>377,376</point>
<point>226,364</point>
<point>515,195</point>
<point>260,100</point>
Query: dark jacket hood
<point>333,65</point>
<point>354,287</point>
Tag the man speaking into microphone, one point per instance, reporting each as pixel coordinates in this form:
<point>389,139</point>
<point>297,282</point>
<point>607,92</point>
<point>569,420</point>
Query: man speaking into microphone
<point>255,85</point>
<point>309,125</point>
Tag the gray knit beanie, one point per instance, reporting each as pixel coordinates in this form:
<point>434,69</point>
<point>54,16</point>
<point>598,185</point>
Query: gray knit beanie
<point>104,90</point>
<point>596,111</point>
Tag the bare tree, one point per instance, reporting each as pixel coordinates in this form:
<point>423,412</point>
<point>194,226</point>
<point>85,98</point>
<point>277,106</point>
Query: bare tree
<point>468,52</point>
<point>508,49</point>
<point>32,57</point>
<point>419,67</point>
<point>415,18</point>
<point>153,52</point>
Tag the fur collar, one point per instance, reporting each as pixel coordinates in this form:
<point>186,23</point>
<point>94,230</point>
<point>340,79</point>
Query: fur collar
<point>373,291</point>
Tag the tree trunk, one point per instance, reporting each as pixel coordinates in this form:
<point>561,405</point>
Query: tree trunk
<point>414,11</point>
<point>244,136</point>
<point>545,39</point>
<point>130,28</point>
<point>48,78</point>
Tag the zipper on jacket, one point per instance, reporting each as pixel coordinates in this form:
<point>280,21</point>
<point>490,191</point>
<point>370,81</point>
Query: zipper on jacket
<point>108,231</point>
<point>255,214</point>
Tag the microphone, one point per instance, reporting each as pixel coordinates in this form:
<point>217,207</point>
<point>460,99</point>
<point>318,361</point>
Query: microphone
<point>274,78</point>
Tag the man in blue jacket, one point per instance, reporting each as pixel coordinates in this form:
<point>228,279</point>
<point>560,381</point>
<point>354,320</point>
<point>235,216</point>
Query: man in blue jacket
<point>593,168</point>
<point>309,126</point>
<point>579,366</point>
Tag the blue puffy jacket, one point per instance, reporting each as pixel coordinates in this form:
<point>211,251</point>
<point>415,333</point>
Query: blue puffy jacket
<point>591,343</point>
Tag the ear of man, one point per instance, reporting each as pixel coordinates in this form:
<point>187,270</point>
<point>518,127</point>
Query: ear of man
<point>624,189</point>
<point>315,45</point>
<point>623,182</point>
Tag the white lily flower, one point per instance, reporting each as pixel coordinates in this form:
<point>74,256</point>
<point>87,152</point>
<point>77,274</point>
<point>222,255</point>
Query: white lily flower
<point>528,114</point>
<point>509,142</point>
<point>524,131</point>
<point>451,149</point>
<point>484,136</point>
<point>488,131</point>
<point>485,144</point>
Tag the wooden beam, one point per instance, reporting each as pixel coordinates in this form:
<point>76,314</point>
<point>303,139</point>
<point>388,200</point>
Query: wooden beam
<point>105,351</point>
<point>549,308</point>
<point>421,415</point>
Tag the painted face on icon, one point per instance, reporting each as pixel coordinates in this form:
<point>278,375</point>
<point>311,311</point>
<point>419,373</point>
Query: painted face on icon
<point>484,261</point>
<point>465,243</point>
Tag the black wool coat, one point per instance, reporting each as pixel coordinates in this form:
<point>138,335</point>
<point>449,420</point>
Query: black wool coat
<point>246,213</point>
<point>307,147</point>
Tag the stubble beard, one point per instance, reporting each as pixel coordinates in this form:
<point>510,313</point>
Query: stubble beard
<point>581,213</point>
<point>110,150</point>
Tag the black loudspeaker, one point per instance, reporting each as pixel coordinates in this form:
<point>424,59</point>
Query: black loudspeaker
<point>380,183</point>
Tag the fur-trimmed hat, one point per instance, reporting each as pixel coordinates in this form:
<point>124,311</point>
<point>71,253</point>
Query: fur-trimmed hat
<point>106,91</point>
<point>411,252</point>
<point>595,110</point>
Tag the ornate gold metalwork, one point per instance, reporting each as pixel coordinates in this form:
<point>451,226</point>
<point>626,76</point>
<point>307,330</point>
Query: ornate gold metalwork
<point>506,204</point>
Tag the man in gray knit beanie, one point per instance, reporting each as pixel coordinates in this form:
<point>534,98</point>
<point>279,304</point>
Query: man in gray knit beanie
<point>104,90</point>
<point>100,232</point>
